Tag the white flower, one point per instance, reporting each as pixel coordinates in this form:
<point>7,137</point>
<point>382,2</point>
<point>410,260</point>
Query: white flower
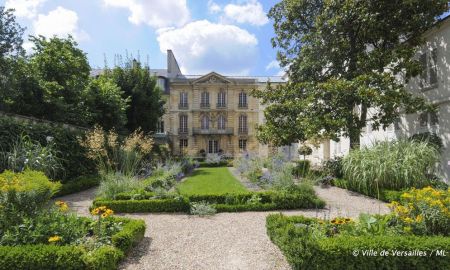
<point>49,138</point>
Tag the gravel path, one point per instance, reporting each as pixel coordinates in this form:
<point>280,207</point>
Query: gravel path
<point>225,240</point>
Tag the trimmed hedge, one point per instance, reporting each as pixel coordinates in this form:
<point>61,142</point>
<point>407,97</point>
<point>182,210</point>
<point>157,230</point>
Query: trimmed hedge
<point>385,195</point>
<point>153,205</point>
<point>74,257</point>
<point>227,202</point>
<point>78,184</point>
<point>305,252</point>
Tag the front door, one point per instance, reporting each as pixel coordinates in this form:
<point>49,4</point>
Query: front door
<point>213,146</point>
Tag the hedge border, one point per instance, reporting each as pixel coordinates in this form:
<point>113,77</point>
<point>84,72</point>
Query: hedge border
<point>304,252</point>
<point>270,200</point>
<point>78,184</point>
<point>74,257</point>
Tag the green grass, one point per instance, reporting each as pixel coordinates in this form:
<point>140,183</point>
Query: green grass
<point>211,181</point>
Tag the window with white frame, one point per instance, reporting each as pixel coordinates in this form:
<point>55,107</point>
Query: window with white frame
<point>204,101</point>
<point>221,99</point>
<point>242,100</point>
<point>183,99</point>
<point>205,122</point>
<point>221,122</point>
<point>183,123</point>
<point>428,61</point>
<point>243,123</point>
<point>428,118</point>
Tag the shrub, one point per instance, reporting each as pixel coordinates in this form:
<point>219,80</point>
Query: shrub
<point>424,211</point>
<point>154,205</point>
<point>78,184</point>
<point>431,138</point>
<point>202,209</point>
<point>115,183</point>
<point>131,234</point>
<point>64,144</point>
<point>301,168</point>
<point>333,167</point>
<point>304,250</point>
<point>390,165</point>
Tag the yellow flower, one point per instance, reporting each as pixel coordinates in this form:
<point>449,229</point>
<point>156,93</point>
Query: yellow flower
<point>54,239</point>
<point>102,211</point>
<point>408,220</point>
<point>419,218</point>
<point>63,207</point>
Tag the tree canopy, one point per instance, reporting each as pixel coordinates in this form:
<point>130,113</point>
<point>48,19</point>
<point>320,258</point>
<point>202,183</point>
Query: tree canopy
<point>342,58</point>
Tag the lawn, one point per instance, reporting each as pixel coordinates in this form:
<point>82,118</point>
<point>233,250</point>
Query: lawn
<point>211,181</point>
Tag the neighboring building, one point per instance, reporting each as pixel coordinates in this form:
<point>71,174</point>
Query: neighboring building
<point>212,113</point>
<point>433,85</point>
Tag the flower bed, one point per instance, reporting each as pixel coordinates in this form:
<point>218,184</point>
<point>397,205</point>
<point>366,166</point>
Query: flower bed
<point>47,256</point>
<point>414,236</point>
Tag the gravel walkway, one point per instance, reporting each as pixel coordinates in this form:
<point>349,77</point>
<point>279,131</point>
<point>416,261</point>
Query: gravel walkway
<point>223,241</point>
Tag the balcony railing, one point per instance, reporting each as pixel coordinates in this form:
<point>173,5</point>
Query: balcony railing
<point>182,131</point>
<point>205,105</point>
<point>183,106</point>
<point>221,105</point>
<point>212,131</point>
<point>243,131</point>
<point>242,105</point>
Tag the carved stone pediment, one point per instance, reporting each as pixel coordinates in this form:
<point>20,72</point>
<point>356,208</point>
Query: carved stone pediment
<point>212,78</point>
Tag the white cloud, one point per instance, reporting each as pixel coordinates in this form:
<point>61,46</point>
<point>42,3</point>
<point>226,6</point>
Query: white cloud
<point>60,22</point>
<point>202,46</point>
<point>155,13</point>
<point>252,12</point>
<point>24,8</point>
<point>213,7</point>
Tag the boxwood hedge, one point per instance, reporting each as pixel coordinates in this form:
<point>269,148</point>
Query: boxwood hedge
<point>345,252</point>
<point>73,257</point>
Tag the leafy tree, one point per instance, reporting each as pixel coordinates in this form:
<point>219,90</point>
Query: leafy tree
<point>62,73</point>
<point>146,105</point>
<point>10,50</point>
<point>104,100</point>
<point>343,57</point>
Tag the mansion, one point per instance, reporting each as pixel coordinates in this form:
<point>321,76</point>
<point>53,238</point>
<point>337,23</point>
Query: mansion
<point>211,113</point>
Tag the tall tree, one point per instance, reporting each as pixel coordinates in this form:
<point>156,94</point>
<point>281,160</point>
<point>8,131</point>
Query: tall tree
<point>146,104</point>
<point>344,57</point>
<point>10,50</point>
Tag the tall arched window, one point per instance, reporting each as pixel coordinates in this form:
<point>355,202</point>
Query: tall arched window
<point>243,124</point>
<point>221,99</point>
<point>183,124</point>
<point>204,102</point>
<point>205,122</point>
<point>221,122</point>
<point>242,100</point>
<point>183,99</point>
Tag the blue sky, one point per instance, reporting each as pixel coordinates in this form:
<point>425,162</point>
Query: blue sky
<point>229,37</point>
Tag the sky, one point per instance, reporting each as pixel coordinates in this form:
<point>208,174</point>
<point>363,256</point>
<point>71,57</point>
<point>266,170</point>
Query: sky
<point>229,37</point>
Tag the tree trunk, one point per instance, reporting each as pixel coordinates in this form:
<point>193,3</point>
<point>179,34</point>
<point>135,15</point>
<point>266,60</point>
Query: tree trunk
<point>355,140</point>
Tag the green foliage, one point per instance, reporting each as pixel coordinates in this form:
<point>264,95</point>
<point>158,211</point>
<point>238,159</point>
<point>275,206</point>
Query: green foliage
<point>305,150</point>
<point>334,101</point>
<point>333,167</point>
<point>106,104</point>
<point>65,144</point>
<point>153,205</point>
<point>26,154</point>
<point>431,138</point>
<point>301,168</point>
<point>74,256</point>
<point>78,184</point>
<point>146,104</point>
<point>115,183</point>
<point>390,165</point>
<point>202,208</point>
<point>304,251</point>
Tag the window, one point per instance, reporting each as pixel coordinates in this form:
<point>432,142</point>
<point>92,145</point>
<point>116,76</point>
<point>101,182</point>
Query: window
<point>160,82</point>
<point>221,97</point>
<point>243,144</point>
<point>183,123</point>
<point>183,144</point>
<point>204,102</point>
<point>243,124</point>
<point>428,118</point>
<point>213,146</point>
<point>221,122</point>
<point>160,127</point>
<point>205,122</point>
<point>242,100</point>
<point>184,99</point>
<point>428,61</point>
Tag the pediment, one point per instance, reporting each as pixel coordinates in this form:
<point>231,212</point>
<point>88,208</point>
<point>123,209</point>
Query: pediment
<point>212,78</point>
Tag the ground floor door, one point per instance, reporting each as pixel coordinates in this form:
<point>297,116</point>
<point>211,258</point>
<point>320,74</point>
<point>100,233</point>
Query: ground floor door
<point>213,146</point>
